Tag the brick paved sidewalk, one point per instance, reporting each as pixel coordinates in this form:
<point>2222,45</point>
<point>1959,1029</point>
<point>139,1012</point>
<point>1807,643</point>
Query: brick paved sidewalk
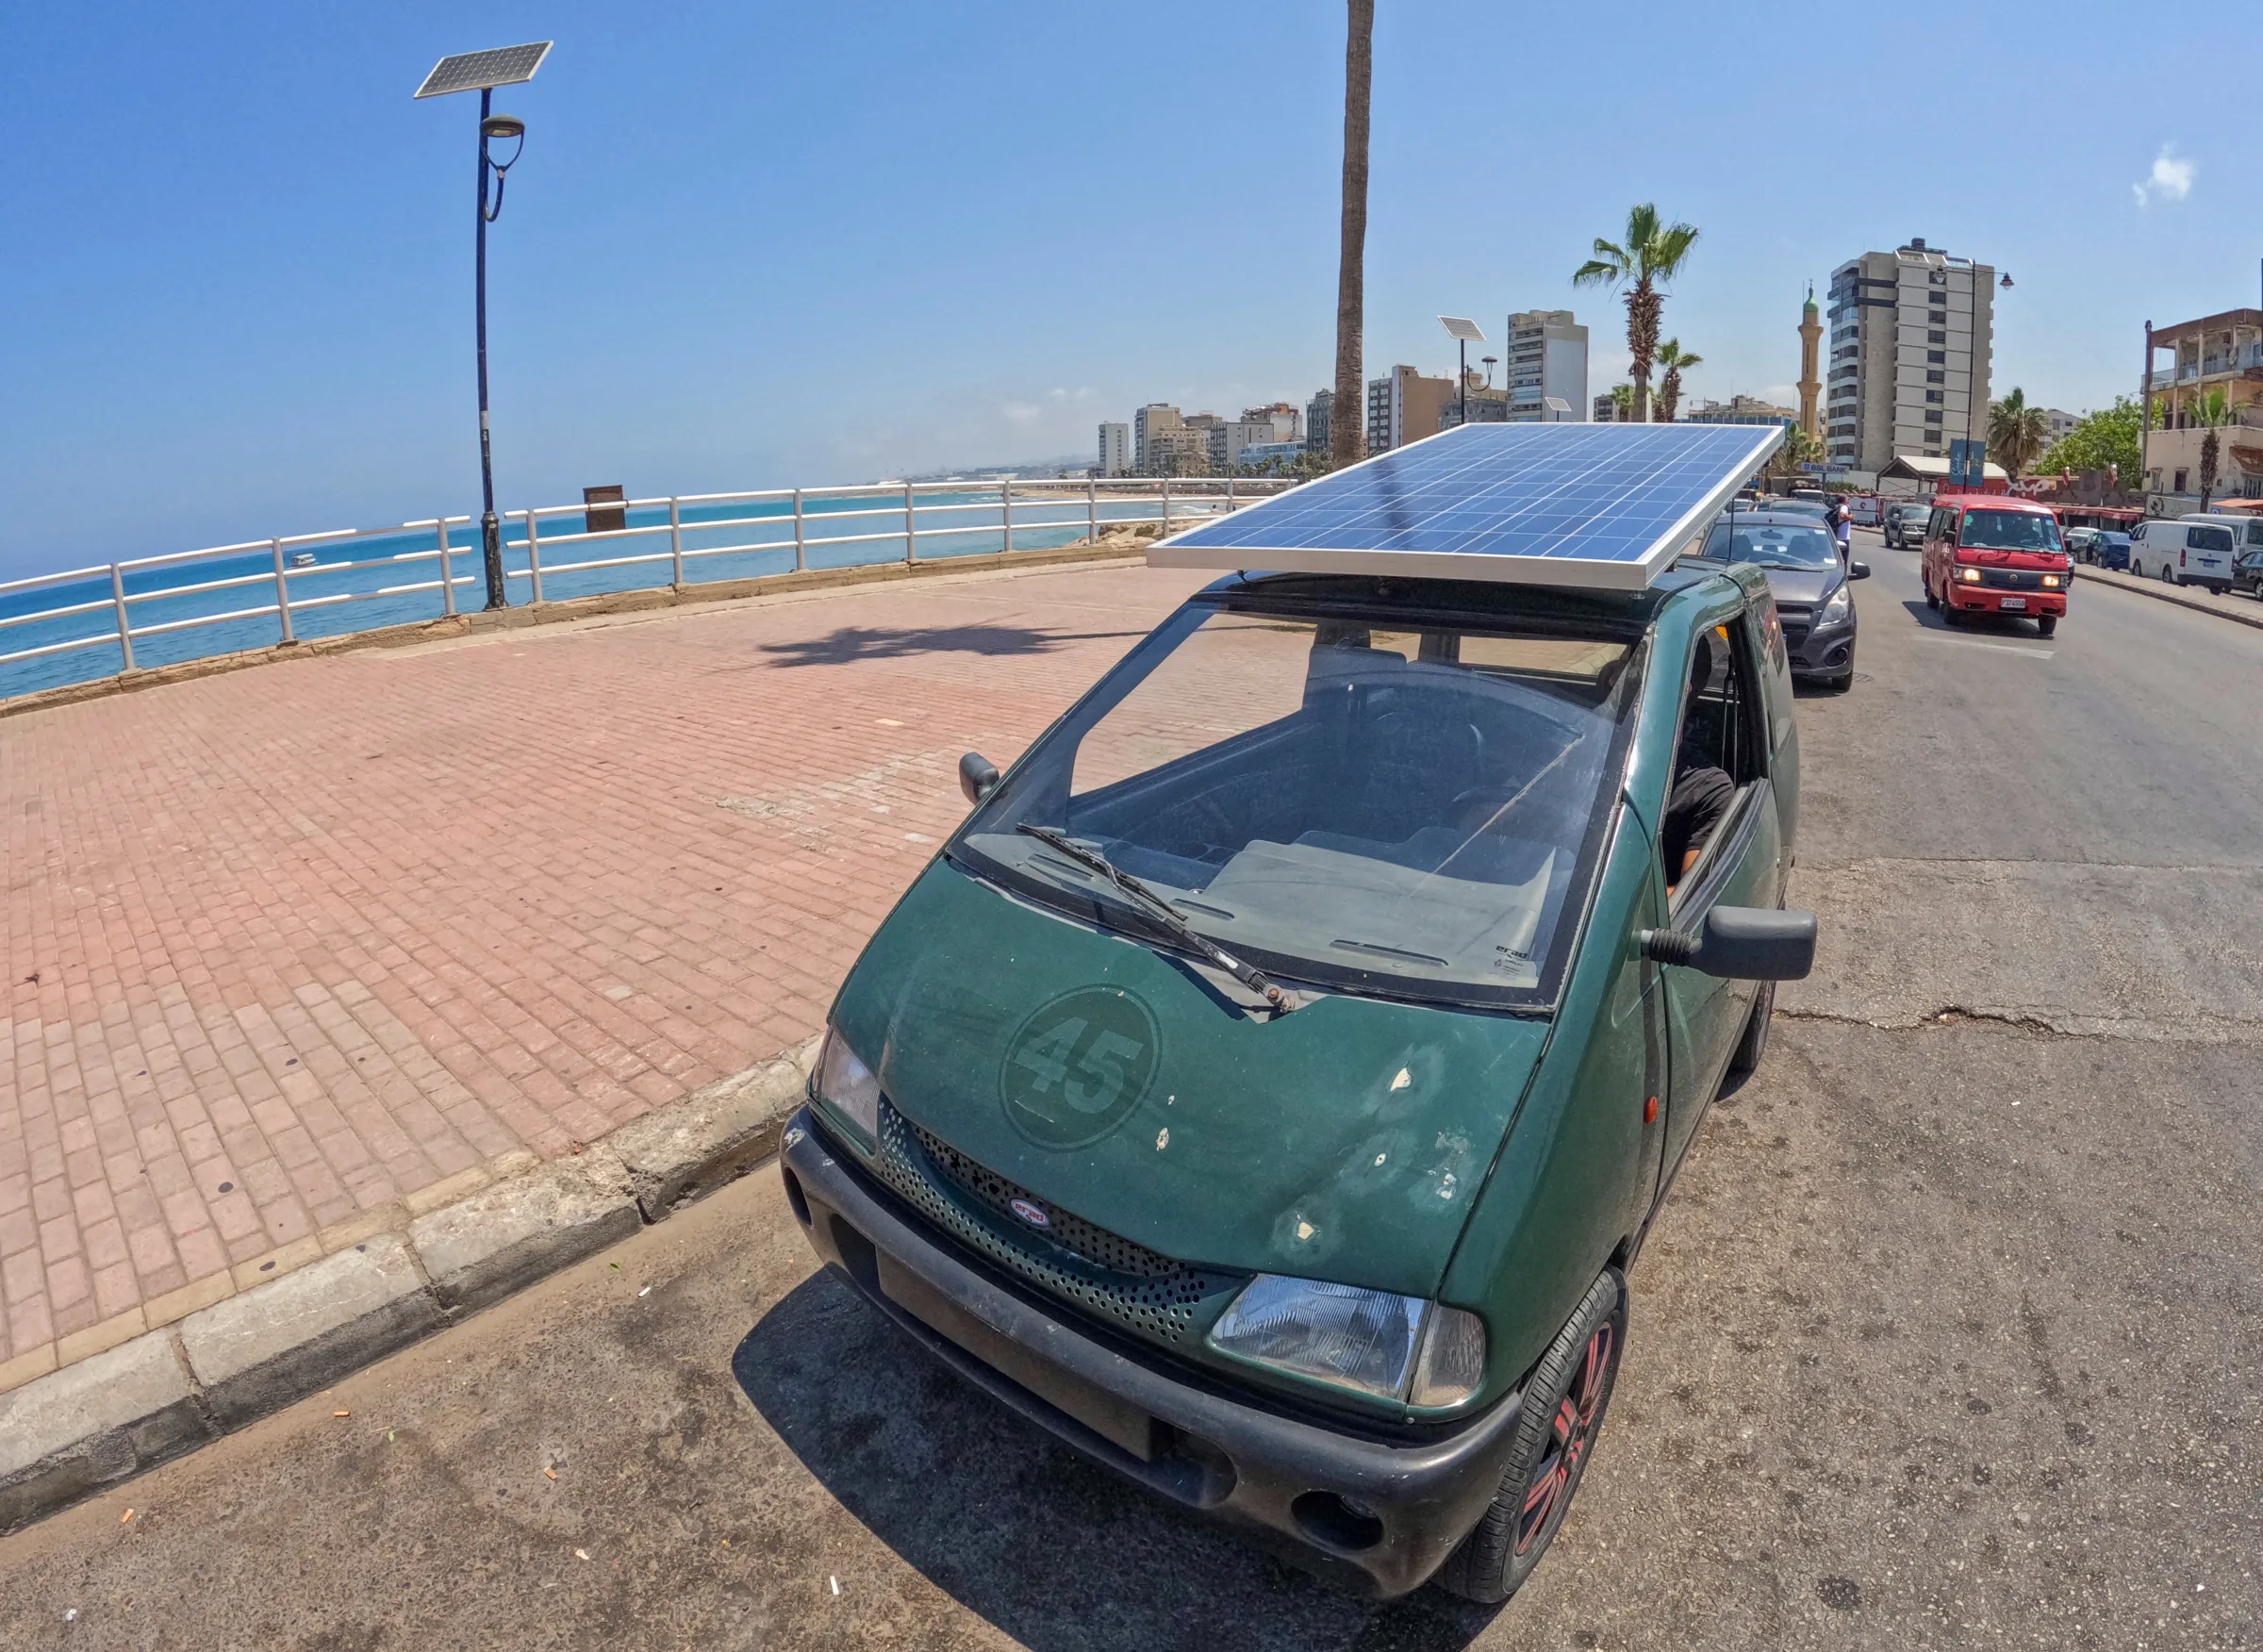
<point>290,950</point>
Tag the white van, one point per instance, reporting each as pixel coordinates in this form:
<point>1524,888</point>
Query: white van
<point>2196,550</point>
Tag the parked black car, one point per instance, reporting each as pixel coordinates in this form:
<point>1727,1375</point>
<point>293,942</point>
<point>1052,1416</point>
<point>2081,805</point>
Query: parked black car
<point>2247,573</point>
<point>1813,589</point>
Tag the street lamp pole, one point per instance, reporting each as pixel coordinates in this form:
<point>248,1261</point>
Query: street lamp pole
<point>490,528</point>
<point>482,72</point>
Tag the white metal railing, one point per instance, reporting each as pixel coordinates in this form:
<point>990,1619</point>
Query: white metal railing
<point>795,520</point>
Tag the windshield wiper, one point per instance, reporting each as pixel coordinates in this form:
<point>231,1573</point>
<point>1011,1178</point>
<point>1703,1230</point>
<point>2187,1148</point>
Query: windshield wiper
<point>1249,974</point>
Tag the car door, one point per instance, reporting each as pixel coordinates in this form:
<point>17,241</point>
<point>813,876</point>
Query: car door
<point>1724,723</point>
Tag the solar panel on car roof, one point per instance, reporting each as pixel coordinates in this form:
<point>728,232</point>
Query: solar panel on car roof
<point>474,71</point>
<point>1606,505</point>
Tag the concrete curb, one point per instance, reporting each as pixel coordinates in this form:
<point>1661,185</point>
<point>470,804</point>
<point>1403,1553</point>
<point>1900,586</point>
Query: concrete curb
<point>2108,579</point>
<point>104,1419</point>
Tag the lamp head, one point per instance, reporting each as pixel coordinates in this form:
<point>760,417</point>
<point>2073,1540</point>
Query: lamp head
<point>2006,282</point>
<point>502,126</point>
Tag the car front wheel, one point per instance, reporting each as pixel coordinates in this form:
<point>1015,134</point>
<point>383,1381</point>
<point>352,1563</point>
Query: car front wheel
<point>1562,1413</point>
<point>2048,624</point>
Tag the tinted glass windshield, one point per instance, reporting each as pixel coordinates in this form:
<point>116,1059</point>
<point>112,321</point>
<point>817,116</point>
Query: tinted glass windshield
<point>2009,530</point>
<point>1411,812</point>
<point>2211,539</point>
<point>1772,545</point>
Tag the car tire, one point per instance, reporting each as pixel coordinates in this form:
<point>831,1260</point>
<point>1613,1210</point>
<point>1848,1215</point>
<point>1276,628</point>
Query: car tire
<point>1753,1045</point>
<point>2169,575</point>
<point>2047,624</point>
<point>1931,601</point>
<point>1555,1438</point>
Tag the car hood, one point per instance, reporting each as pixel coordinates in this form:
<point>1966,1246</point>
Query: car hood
<point>1802,585</point>
<point>1345,1140</point>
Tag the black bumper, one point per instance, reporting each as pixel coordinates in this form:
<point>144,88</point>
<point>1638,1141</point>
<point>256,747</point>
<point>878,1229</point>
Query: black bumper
<point>1825,653</point>
<point>1408,1504</point>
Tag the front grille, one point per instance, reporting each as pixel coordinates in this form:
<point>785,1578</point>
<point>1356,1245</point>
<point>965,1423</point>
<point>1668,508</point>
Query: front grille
<point>1796,621</point>
<point>1100,1272</point>
<point>2011,579</point>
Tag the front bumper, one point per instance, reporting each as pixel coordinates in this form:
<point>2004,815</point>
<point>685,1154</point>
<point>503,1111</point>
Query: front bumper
<point>2033,604</point>
<point>1824,651</point>
<point>1377,1515</point>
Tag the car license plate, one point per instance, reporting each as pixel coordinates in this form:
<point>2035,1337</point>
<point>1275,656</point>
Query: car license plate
<point>2009,603</point>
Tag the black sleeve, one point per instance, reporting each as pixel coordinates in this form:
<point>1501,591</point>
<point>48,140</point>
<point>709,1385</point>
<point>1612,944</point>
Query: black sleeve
<point>1700,802</point>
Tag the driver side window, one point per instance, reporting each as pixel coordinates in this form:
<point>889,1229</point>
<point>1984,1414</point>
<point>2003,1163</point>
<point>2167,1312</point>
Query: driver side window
<point>1723,748</point>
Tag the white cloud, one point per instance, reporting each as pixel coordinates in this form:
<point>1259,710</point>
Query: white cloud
<point>2169,180</point>
<point>1021,412</point>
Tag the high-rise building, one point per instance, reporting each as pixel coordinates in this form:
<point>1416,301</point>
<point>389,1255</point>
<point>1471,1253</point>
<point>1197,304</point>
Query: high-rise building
<point>1404,407</point>
<point>1810,383</point>
<point>1912,341</point>
<point>1155,418</point>
<point>1607,408</point>
<point>1180,450</point>
<point>1741,410</point>
<point>1548,357</point>
<point>1115,450</point>
<point>1316,420</point>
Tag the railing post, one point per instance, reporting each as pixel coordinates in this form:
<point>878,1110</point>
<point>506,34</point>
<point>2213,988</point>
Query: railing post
<point>533,554</point>
<point>447,568</point>
<point>1092,510</point>
<point>1166,504</point>
<point>1230,493</point>
<point>1005,492</point>
<point>801,560</point>
<point>911,543</point>
<point>282,591</point>
<point>675,541</point>
<point>125,631</point>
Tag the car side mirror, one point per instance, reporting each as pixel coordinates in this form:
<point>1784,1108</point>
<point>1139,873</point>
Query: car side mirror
<point>1859,571</point>
<point>1741,943</point>
<point>978,776</point>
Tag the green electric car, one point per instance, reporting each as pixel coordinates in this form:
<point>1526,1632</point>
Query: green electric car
<point>1268,1087</point>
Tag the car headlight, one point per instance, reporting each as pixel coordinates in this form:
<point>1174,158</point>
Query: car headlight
<point>1970,575</point>
<point>1841,604</point>
<point>2050,582</point>
<point>1371,1342</point>
<point>846,1086</point>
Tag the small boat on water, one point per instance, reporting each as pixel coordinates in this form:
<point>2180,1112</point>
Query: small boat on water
<point>302,559</point>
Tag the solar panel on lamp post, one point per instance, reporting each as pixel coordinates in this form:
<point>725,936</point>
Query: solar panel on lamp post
<point>483,71</point>
<point>1466,333</point>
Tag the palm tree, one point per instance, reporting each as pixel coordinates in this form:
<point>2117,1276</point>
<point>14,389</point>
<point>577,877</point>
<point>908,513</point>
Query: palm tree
<point>1622,402</point>
<point>2211,410</point>
<point>1348,427</point>
<point>1671,358</point>
<point>2016,431</point>
<point>1799,449</point>
<point>1652,252</point>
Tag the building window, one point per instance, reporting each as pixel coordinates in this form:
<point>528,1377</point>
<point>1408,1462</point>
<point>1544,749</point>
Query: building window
<point>1938,318</point>
<point>1932,417</point>
<point>2180,483</point>
<point>1937,377</point>
<point>1935,339</point>
<point>1936,356</point>
<point>1936,396</point>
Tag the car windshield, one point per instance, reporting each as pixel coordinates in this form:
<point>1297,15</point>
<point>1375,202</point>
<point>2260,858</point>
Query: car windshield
<point>2009,530</point>
<point>1382,807</point>
<point>1800,507</point>
<point>2122,541</point>
<point>1772,545</point>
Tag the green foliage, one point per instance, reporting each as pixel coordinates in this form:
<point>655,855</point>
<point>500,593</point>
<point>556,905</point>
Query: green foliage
<point>1799,449</point>
<point>2104,440</point>
<point>2016,431</point>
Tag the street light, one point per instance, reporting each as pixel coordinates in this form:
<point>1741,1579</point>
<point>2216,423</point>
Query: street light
<point>483,71</point>
<point>1466,333</point>
<point>1488,362</point>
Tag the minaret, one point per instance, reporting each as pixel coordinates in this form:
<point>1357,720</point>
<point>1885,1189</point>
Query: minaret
<point>1811,338</point>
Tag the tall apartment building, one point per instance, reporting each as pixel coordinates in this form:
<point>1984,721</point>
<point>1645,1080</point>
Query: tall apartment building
<point>1404,407</point>
<point>1115,450</point>
<point>1155,418</point>
<point>1548,357</point>
<point>1741,410</point>
<point>1316,420</point>
<point>1912,341</point>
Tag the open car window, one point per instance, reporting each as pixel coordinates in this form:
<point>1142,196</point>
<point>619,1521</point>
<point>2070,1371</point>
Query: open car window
<point>1378,807</point>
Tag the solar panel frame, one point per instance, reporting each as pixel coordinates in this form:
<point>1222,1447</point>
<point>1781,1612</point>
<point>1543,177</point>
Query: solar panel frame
<point>482,70</point>
<point>1454,478</point>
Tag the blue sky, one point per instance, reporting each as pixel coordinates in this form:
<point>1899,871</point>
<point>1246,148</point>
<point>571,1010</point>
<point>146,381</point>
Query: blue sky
<point>756,244</point>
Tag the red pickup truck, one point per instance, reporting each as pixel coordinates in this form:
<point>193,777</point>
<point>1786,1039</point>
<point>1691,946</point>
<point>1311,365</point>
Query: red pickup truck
<point>1987,553</point>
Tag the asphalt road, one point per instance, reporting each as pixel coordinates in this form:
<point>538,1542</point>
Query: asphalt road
<point>1950,1336</point>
